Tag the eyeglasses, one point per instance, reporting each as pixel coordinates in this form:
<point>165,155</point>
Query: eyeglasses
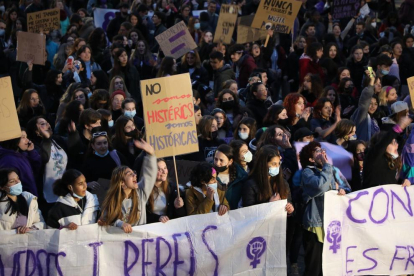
<point>320,150</point>
<point>98,134</point>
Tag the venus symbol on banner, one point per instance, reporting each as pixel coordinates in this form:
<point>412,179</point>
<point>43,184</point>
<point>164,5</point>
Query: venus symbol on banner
<point>255,250</point>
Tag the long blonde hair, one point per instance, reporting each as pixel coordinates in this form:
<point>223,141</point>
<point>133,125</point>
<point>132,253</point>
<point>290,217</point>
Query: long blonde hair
<point>112,205</point>
<point>382,96</point>
<point>156,191</point>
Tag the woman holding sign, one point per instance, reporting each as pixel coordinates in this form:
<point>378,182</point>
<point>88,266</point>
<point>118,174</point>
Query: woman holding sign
<point>125,202</point>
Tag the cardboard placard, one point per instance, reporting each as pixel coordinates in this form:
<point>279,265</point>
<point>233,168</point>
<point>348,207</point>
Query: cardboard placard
<point>9,122</point>
<point>245,33</point>
<point>226,24</point>
<point>276,14</point>
<point>176,41</point>
<point>169,115</point>
<point>345,8</point>
<point>410,82</point>
<point>43,21</point>
<point>184,169</point>
<point>31,46</point>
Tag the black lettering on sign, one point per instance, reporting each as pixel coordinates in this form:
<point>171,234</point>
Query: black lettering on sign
<point>153,88</point>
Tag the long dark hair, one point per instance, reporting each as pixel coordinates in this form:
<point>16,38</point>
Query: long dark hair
<point>166,67</point>
<point>72,113</point>
<point>20,206</point>
<point>119,140</point>
<point>393,164</point>
<point>60,186</point>
<point>102,80</point>
<point>228,152</point>
<point>117,69</point>
<point>260,174</point>
<point>236,145</point>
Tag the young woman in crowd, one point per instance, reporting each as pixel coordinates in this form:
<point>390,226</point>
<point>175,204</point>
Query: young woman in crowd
<point>330,93</point>
<point>358,151</point>
<point>323,122</point>
<point>311,89</point>
<point>75,205</point>
<point>229,102</point>
<point>164,203</point>
<point>345,132</point>
<point>18,209</point>
<point>116,104</point>
<point>71,114</point>
<point>82,95</point>
<point>276,115</point>
<point>257,104</point>
<point>129,109</point>
<point>203,196</point>
<point>309,63</point>
<point>118,83</point>
<point>65,99</point>
<point>241,154</point>
<point>245,130</point>
<point>99,80</point>
<point>168,67</point>
<point>356,63</point>
<point>100,99</point>
<point>224,126</point>
<point>387,97</point>
<point>191,63</point>
<point>85,54</point>
<point>143,60</point>
<point>297,112</point>
<point>346,99</point>
<point>30,106</point>
<point>125,202</point>
<point>230,175</point>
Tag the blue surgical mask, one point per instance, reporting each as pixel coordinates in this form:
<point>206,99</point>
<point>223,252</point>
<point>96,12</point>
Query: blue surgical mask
<point>89,95</point>
<point>197,26</point>
<point>384,72</point>
<point>77,196</point>
<point>243,135</point>
<point>111,123</point>
<point>102,155</point>
<point>353,137</point>
<point>273,171</point>
<point>130,114</point>
<point>16,189</point>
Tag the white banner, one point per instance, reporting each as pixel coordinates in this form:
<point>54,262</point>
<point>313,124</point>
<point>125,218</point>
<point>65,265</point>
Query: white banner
<point>369,232</point>
<point>102,17</point>
<point>248,241</point>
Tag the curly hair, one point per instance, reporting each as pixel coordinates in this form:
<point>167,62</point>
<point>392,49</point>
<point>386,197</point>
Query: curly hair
<point>201,174</point>
<point>289,103</point>
<point>307,152</point>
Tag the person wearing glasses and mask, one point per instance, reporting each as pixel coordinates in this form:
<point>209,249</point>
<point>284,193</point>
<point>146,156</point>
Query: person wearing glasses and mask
<point>125,202</point>
<point>75,205</point>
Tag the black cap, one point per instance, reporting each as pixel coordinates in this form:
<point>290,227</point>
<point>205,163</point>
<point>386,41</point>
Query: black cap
<point>303,132</point>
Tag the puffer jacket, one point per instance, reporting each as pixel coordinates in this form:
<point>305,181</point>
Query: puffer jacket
<point>34,217</point>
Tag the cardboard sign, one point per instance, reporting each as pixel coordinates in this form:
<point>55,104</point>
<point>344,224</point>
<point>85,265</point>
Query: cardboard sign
<point>410,82</point>
<point>184,169</point>
<point>345,8</point>
<point>9,122</point>
<point>169,115</point>
<point>102,17</point>
<point>176,41</point>
<point>226,24</point>
<point>276,14</point>
<point>43,21</point>
<point>245,33</point>
<point>369,232</point>
<point>247,241</point>
<point>31,46</point>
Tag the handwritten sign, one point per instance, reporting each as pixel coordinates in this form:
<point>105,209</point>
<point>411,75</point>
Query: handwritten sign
<point>31,46</point>
<point>43,21</point>
<point>369,232</point>
<point>176,41</point>
<point>345,8</point>
<point>278,15</point>
<point>9,122</point>
<point>102,17</point>
<point>169,115</point>
<point>410,82</point>
<point>245,33</point>
<point>226,24</point>
<point>248,241</point>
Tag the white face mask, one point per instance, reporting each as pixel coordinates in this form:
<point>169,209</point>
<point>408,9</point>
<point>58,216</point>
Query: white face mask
<point>243,135</point>
<point>394,155</point>
<point>213,186</point>
<point>111,123</point>
<point>374,24</point>
<point>248,157</point>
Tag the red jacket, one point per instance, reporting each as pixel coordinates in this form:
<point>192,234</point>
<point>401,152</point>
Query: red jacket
<point>307,65</point>
<point>246,67</point>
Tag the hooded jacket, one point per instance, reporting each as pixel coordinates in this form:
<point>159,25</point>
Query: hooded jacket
<point>307,65</point>
<point>27,164</point>
<point>34,216</point>
<point>67,210</point>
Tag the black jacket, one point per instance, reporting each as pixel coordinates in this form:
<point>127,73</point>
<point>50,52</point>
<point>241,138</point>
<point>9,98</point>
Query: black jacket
<point>250,193</point>
<point>259,110</point>
<point>220,76</point>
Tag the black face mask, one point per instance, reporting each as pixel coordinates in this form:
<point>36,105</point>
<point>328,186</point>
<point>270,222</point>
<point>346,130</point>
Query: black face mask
<point>349,89</point>
<point>220,169</point>
<point>228,105</point>
<point>133,134</point>
<point>283,122</point>
<point>360,156</point>
<point>214,134</point>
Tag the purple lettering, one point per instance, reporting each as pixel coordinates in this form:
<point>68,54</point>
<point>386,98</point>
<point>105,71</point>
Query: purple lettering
<point>380,190</point>
<point>1,267</point>
<point>407,208</point>
<point>348,260</point>
<point>410,255</point>
<point>349,209</point>
<point>369,258</point>
<point>176,262</point>
<point>145,263</point>
<point>192,258</point>
<point>136,255</point>
<point>95,246</point>
<point>30,255</point>
<point>158,269</point>
<point>208,247</point>
<point>395,255</point>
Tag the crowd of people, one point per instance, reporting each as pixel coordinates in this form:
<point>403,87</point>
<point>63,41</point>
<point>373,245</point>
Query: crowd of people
<point>342,82</point>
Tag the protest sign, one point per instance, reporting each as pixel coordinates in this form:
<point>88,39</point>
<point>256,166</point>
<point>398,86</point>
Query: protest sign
<point>43,21</point>
<point>369,232</point>
<point>345,8</point>
<point>31,46</point>
<point>248,241</point>
<point>276,14</point>
<point>184,169</point>
<point>410,83</point>
<point>9,122</point>
<point>337,156</point>
<point>102,17</point>
<point>226,23</point>
<point>169,115</point>
<point>245,33</point>
<point>176,41</point>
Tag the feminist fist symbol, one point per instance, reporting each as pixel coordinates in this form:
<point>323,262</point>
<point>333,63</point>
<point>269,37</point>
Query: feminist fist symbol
<point>334,235</point>
<point>255,249</point>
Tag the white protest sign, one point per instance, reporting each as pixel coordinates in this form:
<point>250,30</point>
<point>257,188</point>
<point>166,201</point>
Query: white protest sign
<point>102,17</point>
<point>248,241</point>
<point>369,232</point>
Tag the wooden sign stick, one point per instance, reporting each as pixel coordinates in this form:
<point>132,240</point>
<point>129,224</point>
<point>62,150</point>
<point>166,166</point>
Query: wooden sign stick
<point>176,176</point>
